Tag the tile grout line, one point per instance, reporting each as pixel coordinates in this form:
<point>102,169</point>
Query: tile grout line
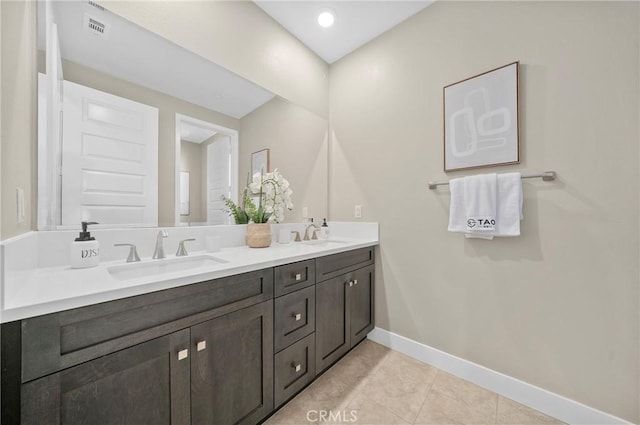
<point>368,377</point>
<point>427,396</point>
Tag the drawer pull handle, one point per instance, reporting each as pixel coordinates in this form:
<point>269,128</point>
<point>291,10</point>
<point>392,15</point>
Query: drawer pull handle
<point>298,276</point>
<point>297,367</point>
<point>202,345</point>
<point>183,354</point>
<point>296,316</point>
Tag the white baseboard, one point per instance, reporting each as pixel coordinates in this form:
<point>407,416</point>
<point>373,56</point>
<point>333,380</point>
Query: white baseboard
<point>551,404</point>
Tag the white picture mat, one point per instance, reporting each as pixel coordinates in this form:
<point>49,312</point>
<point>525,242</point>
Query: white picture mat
<point>481,120</point>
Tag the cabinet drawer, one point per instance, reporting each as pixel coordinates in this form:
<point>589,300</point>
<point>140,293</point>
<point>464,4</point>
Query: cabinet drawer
<point>295,317</point>
<point>294,369</point>
<point>144,384</point>
<point>294,276</point>
<point>59,340</point>
<point>337,264</point>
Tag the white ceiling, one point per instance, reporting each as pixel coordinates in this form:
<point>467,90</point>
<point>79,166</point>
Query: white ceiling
<point>140,57</point>
<point>357,22</point>
<point>143,58</point>
<point>194,133</point>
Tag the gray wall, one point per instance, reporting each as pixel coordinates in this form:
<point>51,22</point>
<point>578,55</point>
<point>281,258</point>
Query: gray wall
<point>558,306</point>
<point>297,141</point>
<point>18,119</point>
<point>192,162</point>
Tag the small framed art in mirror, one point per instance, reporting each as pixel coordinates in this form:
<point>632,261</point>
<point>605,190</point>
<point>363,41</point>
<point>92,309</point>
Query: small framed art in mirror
<point>260,162</point>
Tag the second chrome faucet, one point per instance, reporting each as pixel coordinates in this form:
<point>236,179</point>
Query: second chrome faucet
<point>158,253</point>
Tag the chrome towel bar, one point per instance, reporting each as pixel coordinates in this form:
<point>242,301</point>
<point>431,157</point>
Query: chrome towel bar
<point>546,176</point>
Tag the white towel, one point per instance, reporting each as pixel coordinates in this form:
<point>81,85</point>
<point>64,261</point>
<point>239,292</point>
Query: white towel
<point>457,212</point>
<point>508,207</point>
<point>509,204</point>
<point>480,202</point>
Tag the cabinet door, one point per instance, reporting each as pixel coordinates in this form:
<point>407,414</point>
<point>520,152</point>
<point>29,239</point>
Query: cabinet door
<point>232,367</point>
<point>361,304</point>
<point>332,321</point>
<point>145,384</point>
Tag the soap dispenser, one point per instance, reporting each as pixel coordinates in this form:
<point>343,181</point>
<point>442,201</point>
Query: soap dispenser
<point>324,229</point>
<point>85,250</point>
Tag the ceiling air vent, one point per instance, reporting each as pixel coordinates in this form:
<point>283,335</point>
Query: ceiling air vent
<point>96,5</point>
<point>94,26</point>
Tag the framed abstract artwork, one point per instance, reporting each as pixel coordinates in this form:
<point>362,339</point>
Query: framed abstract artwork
<point>481,120</point>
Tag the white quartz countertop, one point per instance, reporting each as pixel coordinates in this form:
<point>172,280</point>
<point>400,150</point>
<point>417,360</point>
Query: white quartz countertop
<point>52,289</point>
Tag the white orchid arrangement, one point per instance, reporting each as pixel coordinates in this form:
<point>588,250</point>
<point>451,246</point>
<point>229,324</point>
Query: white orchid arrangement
<point>274,196</point>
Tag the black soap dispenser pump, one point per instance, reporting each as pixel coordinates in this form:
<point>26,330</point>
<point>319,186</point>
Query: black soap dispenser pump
<point>324,228</point>
<point>85,249</point>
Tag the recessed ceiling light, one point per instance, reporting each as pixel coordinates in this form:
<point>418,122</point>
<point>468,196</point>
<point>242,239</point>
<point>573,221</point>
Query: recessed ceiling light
<point>326,18</point>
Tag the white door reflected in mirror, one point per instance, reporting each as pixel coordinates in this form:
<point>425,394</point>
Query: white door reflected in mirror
<point>109,159</point>
<point>209,153</point>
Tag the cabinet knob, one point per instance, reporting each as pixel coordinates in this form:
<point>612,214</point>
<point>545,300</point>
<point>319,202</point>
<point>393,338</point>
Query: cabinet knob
<point>296,366</point>
<point>202,345</point>
<point>351,283</point>
<point>355,281</point>
<point>298,276</point>
<point>183,354</point>
<point>296,316</point>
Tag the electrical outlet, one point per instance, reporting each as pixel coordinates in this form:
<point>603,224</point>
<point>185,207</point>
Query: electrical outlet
<point>305,212</point>
<point>357,211</point>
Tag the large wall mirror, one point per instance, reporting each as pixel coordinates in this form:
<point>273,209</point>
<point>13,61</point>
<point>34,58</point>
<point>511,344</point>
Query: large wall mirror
<point>124,112</point>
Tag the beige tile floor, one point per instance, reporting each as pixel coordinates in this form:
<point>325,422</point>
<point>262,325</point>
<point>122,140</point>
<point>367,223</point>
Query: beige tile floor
<point>378,386</point>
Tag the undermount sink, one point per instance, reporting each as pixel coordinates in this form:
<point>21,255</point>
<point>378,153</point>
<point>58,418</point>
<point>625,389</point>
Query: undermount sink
<point>168,265</point>
<point>324,242</point>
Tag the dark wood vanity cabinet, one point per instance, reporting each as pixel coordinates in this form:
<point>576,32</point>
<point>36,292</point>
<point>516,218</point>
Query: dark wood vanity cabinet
<point>216,372</point>
<point>232,367</point>
<point>294,330</point>
<point>224,351</point>
<point>343,300</point>
<point>346,303</point>
<point>200,354</point>
<point>144,384</point>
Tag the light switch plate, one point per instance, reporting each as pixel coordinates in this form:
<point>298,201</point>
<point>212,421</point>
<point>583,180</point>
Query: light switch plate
<point>20,214</point>
<point>357,211</point>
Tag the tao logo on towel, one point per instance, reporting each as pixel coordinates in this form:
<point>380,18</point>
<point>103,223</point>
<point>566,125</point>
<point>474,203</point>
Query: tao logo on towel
<point>481,223</point>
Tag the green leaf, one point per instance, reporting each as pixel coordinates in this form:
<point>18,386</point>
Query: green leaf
<point>239,215</point>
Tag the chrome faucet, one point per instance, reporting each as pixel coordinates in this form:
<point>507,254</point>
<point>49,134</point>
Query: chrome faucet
<point>133,253</point>
<point>313,235</point>
<point>159,251</point>
<point>182,251</point>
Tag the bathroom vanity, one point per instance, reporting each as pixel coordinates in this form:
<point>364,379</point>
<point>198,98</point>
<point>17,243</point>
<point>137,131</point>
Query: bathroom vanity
<point>224,350</point>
